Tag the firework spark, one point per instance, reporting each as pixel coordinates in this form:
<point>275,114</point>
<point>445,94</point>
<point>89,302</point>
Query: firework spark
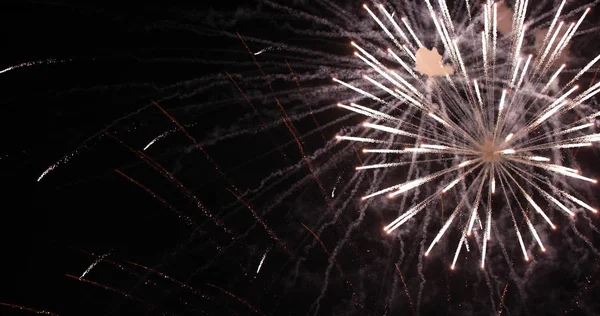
<point>486,117</point>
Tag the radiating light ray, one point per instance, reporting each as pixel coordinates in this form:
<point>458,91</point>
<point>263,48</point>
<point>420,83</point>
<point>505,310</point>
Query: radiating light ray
<point>585,98</point>
<point>478,94</point>
<point>407,87</point>
<point>553,24</point>
<point>502,178</point>
<point>412,33</point>
<point>403,187</point>
<point>364,112</point>
<point>396,26</point>
<point>567,38</point>
<point>523,249</point>
<point>440,147</point>
<point>451,218</point>
<point>400,220</point>
<point>520,172</point>
<point>524,71</point>
<point>559,169</point>
<point>451,185</point>
<point>403,64</point>
<point>371,57</point>
<point>413,184</point>
<point>554,76</point>
<point>460,243</point>
<point>537,158</point>
<point>468,6</point>
<point>443,230</point>
<point>382,87</point>
<point>515,72</point>
<point>378,113</point>
<point>558,49</point>
<point>547,50</point>
<point>574,129</point>
<point>359,91</point>
<point>580,202</point>
<point>389,129</point>
<point>563,43</point>
<point>446,14</point>
<point>529,224</point>
<point>476,205</point>
<point>383,165</point>
<point>363,139</point>
<point>447,45</point>
<point>519,43</point>
<point>385,29</point>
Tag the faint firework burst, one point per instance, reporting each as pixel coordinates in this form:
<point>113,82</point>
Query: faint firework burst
<point>492,125</point>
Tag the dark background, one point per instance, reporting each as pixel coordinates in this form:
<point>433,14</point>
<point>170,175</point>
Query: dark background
<point>111,61</point>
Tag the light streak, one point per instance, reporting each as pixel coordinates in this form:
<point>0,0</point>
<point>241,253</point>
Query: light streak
<point>261,261</point>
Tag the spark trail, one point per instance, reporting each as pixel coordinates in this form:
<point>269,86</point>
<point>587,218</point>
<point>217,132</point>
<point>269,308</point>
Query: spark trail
<point>28,309</point>
<point>34,63</point>
<point>262,260</point>
<point>112,289</point>
<point>165,173</point>
<point>264,224</point>
<point>93,265</point>
<point>239,299</point>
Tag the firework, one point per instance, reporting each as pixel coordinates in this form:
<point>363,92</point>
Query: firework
<point>489,124</point>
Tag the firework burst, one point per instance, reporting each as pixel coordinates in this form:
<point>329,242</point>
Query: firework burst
<point>490,125</point>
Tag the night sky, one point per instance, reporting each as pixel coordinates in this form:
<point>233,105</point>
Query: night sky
<point>94,97</point>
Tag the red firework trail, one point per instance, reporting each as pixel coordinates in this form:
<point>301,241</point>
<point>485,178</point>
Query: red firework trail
<point>193,140</point>
<point>304,99</point>
<point>264,125</point>
<point>186,191</point>
<point>187,220</point>
<point>264,76</point>
<point>156,166</point>
<point>502,300</point>
<point>154,195</point>
<point>143,278</point>
<point>412,308</point>
<point>288,122</point>
<point>256,62</point>
<point>166,277</point>
<point>112,289</point>
<point>24,308</point>
<point>269,231</point>
<point>356,298</point>
<point>310,166</point>
<point>320,242</point>
<point>241,300</point>
<point>245,97</point>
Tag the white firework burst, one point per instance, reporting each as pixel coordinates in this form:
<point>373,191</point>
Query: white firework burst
<point>489,125</point>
